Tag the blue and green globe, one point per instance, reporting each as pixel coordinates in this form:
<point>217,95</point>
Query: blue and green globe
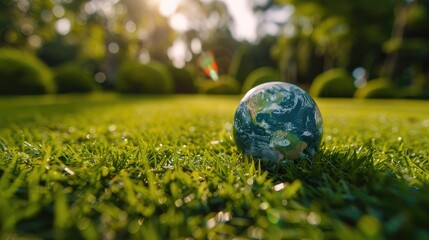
<point>278,121</point>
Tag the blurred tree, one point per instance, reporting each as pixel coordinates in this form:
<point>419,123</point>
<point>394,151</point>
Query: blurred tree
<point>25,24</point>
<point>115,29</point>
<point>249,57</point>
<point>147,30</point>
<point>223,46</point>
<point>386,38</point>
<point>110,29</point>
<point>301,51</point>
<point>407,48</point>
<point>208,29</point>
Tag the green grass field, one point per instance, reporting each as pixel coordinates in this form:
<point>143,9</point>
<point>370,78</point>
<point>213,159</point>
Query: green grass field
<point>112,167</point>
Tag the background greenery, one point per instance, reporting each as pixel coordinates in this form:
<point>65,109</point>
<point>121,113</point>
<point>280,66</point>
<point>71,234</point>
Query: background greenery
<point>23,74</point>
<point>368,39</point>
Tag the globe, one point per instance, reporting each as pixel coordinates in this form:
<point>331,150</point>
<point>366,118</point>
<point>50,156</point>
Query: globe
<point>277,121</point>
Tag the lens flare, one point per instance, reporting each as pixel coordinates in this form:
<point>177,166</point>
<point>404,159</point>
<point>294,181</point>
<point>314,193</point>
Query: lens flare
<point>208,64</point>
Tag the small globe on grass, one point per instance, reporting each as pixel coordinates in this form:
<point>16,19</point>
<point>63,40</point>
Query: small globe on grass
<point>278,121</point>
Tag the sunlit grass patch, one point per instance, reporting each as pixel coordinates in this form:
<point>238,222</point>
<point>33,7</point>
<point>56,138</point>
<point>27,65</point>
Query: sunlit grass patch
<point>132,167</point>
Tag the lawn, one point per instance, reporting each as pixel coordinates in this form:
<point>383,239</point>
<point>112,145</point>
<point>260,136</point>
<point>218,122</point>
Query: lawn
<point>112,167</point>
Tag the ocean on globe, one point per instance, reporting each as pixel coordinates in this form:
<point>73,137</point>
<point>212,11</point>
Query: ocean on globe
<point>278,121</point>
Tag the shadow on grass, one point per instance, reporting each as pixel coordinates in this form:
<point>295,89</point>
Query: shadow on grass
<point>349,185</point>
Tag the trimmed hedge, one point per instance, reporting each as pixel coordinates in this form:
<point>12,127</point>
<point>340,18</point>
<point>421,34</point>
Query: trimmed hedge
<point>226,85</point>
<point>333,83</point>
<point>57,52</point>
<point>383,88</point>
<point>72,78</point>
<point>259,76</point>
<point>377,88</point>
<point>412,92</point>
<point>151,78</point>
<point>183,80</point>
<point>22,73</point>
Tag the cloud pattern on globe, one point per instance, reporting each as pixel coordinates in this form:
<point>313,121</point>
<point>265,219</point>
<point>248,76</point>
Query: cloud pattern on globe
<point>277,121</point>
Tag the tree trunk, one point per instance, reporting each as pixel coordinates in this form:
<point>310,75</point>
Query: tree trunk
<point>401,15</point>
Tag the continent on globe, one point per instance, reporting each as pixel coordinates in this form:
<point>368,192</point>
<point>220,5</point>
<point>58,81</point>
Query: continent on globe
<point>277,121</point>
<point>285,143</point>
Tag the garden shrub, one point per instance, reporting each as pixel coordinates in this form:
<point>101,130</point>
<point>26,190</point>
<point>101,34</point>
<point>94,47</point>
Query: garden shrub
<point>71,77</point>
<point>410,93</point>
<point>384,88</point>
<point>183,80</point>
<point>333,83</point>
<point>57,52</point>
<point>378,88</point>
<point>151,78</point>
<point>225,85</point>
<point>22,73</point>
<point>259,76</point>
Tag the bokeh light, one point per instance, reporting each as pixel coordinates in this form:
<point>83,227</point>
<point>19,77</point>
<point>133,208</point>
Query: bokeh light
<point>63,26</point>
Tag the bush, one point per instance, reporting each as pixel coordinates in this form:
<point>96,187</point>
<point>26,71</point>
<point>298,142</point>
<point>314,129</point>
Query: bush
<point>57,52</point>
<point>383,88</point>
<point>22,73</point>
<point>411,93</point>
<point>379,88</point>
<point>225,85</point>
<point>73,78</point>
<point>183,80</point>
<point>260,76</point>
<point>333,83</point>
<point>152,78</point>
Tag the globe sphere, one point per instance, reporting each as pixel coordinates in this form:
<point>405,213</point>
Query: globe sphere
<point>278,121</point>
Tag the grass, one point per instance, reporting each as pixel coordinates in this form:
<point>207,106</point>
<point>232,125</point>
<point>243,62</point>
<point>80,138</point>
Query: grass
<point>115,167</point>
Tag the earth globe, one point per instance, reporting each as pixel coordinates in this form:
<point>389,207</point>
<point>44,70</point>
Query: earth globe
<point>278,121</point>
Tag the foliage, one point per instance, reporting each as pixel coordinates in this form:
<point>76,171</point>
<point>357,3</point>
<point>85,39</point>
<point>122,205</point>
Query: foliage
<point>384,37</point>
<point>225,85</point>
<point>259,76</point>
<point>384,88</point>
<point>22,73</point>
<point>72,77</point>
<point>249,57</point>
<point>139,168</point>
<point>332,40</point>
<point>411,92</point>
<point>152,78</point>
<point>22,24</point>
<point>212,33</point>
<point>184,82</point>
<point>377,88</point>
<point>333,83</point>
<point>297,60</point>
<point>57,52</point>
